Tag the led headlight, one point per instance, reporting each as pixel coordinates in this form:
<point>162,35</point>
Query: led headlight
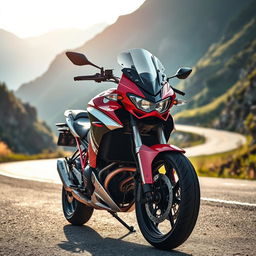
<point>163,105</point>
<point>149,106</point>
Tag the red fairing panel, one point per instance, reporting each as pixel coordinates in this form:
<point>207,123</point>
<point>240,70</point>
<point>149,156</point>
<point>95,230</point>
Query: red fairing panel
<point>106,106</point>
<point>127,86</point>
<point>148,154</point>
<point>92,154</point>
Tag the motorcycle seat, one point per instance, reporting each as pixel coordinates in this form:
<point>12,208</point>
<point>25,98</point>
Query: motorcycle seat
<point>82,126</point>
<point>76,114</point>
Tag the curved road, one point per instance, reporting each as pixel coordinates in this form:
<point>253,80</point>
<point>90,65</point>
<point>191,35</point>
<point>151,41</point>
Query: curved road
<point>216,141</point>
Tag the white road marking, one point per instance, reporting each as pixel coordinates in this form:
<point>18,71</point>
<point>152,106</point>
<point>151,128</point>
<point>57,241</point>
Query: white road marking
<point>57,181</point>
<point>227,202</point>
<point>232,184</point>
<point>11,175</point>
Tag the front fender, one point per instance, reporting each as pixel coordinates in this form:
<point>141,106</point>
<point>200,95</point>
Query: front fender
<point>146,156</point>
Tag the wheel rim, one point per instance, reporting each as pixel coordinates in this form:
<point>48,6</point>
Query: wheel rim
<point>165,219</point>
<point>158,210</point>
<point>69,203</point>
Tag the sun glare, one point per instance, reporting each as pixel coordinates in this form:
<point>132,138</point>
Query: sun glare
<point>28,18</point>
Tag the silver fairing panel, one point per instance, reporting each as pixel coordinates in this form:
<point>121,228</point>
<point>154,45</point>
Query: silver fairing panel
<point>100,125</point>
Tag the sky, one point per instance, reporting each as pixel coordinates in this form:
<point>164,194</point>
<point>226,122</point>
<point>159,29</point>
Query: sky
<point>28,18</point>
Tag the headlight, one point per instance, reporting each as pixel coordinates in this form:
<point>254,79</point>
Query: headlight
<point>149,106</point>
<point>163,105</point>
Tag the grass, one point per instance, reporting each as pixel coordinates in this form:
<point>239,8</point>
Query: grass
<point>11,157</point>
<point>232,164</point>
<point>186,139</point>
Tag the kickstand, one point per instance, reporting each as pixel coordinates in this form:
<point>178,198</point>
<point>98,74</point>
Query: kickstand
<point>130,228</point>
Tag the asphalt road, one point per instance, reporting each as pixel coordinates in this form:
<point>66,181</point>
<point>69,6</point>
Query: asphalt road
<point>216,141</point>
<point>32,223</point>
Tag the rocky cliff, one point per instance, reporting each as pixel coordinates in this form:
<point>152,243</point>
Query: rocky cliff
<point>20,128</point>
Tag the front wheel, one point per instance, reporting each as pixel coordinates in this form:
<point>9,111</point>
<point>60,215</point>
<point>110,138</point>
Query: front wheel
<point>169,218</point>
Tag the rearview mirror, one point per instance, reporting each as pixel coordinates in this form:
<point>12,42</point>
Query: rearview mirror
<point>182,73</point>
<point>79,59</point>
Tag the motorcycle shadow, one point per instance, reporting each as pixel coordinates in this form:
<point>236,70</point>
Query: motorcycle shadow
<point>83,239</point>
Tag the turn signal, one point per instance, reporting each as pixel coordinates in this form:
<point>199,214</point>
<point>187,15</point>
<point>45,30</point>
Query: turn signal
<point>179,102</point>
<point>114,97</point>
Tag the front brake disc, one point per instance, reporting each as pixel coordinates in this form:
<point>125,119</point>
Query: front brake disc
<point>158,210</point>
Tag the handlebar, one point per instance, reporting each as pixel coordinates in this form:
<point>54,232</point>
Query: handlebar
<point>178,91</point>
<point>104,76</point>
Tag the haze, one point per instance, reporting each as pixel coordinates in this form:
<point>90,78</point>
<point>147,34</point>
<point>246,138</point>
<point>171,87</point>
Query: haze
<point>30,18</point>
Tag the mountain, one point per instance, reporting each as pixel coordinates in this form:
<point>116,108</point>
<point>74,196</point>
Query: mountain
<point>179,32</point>
<point>24,59</point>
<point>222,84</point>
<point>233,109</point>
<point>57,41</point>
<point>20,129</point>
<point>224,62</point>
<point>15,55</point>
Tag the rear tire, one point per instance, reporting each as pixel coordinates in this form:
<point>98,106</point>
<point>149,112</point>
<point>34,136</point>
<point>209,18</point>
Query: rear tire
<point>182,193</point>
<point>75,212</point>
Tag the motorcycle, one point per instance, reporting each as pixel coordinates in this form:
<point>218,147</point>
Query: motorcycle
<point>122,159</point>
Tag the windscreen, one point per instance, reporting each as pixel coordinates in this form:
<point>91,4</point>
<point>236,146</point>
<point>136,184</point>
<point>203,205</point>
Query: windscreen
<point>143,68</point>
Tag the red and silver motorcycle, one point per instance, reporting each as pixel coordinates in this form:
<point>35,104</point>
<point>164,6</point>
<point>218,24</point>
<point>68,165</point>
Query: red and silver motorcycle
<point>122,160</point>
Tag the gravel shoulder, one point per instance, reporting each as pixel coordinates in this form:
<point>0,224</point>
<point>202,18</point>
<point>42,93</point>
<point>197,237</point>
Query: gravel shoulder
<point>31,223</point>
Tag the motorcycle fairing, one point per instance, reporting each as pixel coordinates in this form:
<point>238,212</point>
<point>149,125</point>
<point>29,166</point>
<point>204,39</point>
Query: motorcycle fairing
<point>146,156</point>
<point>126,87</point>
<point>92,152</point>
<point>103,119</point>
<point>144,69</point>
<point>108,107</point>
<point>143,77</point>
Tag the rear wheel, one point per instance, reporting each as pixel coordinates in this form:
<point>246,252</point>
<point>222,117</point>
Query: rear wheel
<point>169,218</point>
<point>75,212</point>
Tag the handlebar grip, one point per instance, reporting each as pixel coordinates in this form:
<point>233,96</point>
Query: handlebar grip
<point>80,78</point>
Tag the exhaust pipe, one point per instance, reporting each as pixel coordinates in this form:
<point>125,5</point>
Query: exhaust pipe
<point>100,193</point>
<point>63,171</point>
<point>63,168</point>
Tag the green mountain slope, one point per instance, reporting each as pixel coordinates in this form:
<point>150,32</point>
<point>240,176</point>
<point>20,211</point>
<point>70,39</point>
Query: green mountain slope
<point>179,32</point>
<point>225,98</point>
<point>230,110</point>
<point>20,129</point>
<point>224,63</point>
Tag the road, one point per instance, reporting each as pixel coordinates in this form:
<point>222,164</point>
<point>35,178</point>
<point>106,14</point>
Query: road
<point>216,141</point>
<point>32,223</point>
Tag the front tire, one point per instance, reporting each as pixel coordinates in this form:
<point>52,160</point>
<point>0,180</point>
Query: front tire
<point>167,221</point>
<point>75,212</point>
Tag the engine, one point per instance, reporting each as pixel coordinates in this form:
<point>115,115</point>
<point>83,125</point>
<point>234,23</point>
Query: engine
<point>120,185</point>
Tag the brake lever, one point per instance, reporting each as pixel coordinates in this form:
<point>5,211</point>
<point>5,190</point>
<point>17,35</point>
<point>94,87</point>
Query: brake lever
<point>178,91</point>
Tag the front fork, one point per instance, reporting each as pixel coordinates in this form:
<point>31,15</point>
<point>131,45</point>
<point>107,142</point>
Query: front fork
<point>143,154</point>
